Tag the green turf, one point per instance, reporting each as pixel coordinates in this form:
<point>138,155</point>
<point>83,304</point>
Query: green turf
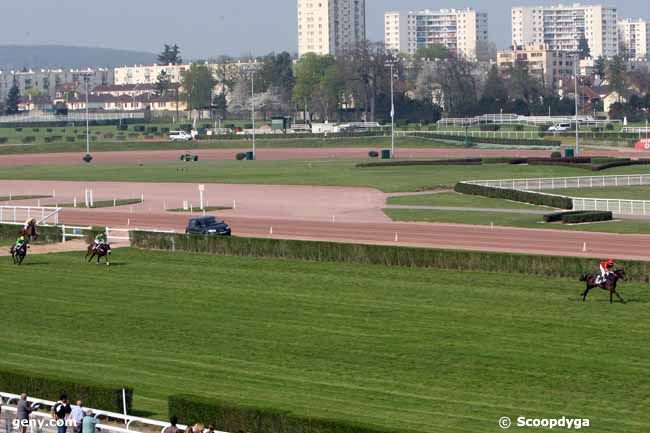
<point>454,199</point>
<point>103,145</point>
<point>618,192</point>
<point>410,349</point>
<point>22,197</point>
<point>515,220</point>
<point>294,172</point>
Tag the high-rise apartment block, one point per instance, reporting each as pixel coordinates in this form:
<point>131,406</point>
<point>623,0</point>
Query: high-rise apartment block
<point>561,27</point>
<point>330,26</point>
<point>464,32</point>
<point>634,36</point>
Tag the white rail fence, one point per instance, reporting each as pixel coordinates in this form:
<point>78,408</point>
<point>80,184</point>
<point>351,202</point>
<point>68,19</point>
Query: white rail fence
<point>616,206</point>
<point>20,214</point>
<point>70,117</point>
<point>127,420</point>
<point>514,119</point>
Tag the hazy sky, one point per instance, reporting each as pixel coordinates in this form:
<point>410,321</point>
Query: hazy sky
<point>211,27</point>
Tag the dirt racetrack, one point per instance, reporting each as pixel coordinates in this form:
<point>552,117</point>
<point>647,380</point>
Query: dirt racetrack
<point>144,156</point>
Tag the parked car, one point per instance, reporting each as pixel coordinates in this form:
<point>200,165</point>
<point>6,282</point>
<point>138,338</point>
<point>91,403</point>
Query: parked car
<point>207,225</point>
<point>560,127</point>
<point>179,136</point>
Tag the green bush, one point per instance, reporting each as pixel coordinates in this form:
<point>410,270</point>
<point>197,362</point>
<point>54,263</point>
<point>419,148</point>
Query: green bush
<point>540,199</point>
<point>107,397</point>
<point>70,139</point>
<point>3,140</point>
<point>29,139</point>
<point>36,129</point>
<point>19,129</point>
<point>46,234</point>
<point>120,137</point>
<point>477,261</point>
<point>559,216</point>
<point>519,128</point>
<point>233,417</point>
<point>240,156</point>
<point>489,127</point>
<point>609,127</point>
<point>152,129</point>
<point>108,136</point>
<point>587,217</point>
<point>556,155</point>
<point>48,139</point>
<point>48,129</point>
<point>620,163</point>
<point>122,127</point>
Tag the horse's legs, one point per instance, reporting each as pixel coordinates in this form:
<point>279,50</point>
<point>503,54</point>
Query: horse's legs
<point>619,297</point>
<point>584,294</point>
<point>611,296</point>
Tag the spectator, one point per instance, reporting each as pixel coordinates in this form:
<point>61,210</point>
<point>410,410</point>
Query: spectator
<point>77,416</point>
<point>5,425</point>
<point>172,427</point>
<point>61,411</point>
<point>198,428</point>
<point>210,428</point>
<point>189,429</point>
<point>23,409</point>
<point>89,423</point>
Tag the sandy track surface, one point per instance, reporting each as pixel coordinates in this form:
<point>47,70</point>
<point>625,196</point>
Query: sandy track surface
<point>144,156</point>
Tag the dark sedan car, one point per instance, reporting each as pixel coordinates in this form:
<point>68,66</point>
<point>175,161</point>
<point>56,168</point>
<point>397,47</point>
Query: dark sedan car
<point>207,225</point>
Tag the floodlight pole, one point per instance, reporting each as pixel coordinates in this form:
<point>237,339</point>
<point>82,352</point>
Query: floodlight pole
<point>575,67</point>
<point>391,63</point>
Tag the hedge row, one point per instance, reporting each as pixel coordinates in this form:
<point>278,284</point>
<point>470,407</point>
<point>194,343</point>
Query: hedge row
<point>106,397</point>
<point>620,163</point>
<point>232,417</point>
<point>394,163</point>
<point>46,234</point>
<point>541,199</point>
<point>3,140</point>
<point>492,140</point>
<point>378,255</point>
<point>587,217</point>
<point>578,216</point>
<point>293,136</point>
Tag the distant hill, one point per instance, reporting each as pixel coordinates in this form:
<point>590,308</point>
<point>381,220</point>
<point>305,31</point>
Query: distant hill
<point>16,57</point>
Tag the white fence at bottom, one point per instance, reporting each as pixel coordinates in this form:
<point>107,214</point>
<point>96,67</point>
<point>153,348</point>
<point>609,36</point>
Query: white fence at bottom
<point>620,207</point>
<point>127,420</point>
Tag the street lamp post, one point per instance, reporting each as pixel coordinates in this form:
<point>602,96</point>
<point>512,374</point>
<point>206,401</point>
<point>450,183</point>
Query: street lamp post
<point>251,71</point>
<point>87,157</point>
<point>391,63</point>
<point>575,68</point>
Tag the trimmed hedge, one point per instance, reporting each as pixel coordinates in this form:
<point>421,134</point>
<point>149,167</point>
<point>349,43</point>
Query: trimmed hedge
<point>107,397</point>
<point>46,234</point>
<point>621,163</point>
<point>541,199</point>
<point>587,217</point>
<point>557,216</point>
<point>465,161</point>
<point>233,417</point>
<point>362,254</point>
<point>492,140</point>
<point>3,140</point>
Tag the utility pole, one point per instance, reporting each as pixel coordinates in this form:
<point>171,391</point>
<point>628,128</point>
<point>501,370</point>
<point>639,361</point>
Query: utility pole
<point>251,69</point>
<point>87,157</point>
<point>391,64</point>
<point>575,67</point>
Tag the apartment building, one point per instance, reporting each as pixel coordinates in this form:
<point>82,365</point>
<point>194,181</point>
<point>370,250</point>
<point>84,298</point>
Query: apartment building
<point>561,27</point>
<point>550,66</point>
<point>634,36</point>
<point>330,26</point>
<point>464,32</point>
<point>47,80</point>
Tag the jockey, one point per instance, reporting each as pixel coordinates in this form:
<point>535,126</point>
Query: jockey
<point>20,242</point>
<point>100,239</point>
<point>606,267</point>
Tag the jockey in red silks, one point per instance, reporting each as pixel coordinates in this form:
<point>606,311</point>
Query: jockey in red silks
<point>606,267</point>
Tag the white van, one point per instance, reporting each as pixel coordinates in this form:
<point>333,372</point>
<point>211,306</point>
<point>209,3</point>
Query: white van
<point>179,136</point>
<point>560,127</point>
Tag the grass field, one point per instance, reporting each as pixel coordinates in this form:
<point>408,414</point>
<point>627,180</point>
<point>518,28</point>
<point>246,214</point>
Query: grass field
<point>295,172</point>
<point>418,350</point>
<point>454,199</point>
<point>22,197</point>
<point>514,220</point>
<point>620,192</point>
<point>107,203</point>
<point>101,145</point>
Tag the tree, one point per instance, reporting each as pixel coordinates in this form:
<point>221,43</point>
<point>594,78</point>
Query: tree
<point>198,84</point>
<point>13,97</point>
<point>495,86</point>
<point>171,55</point>
<point>522,84</point>
<point>458,85</point>
<point>600,66</point>
<point>220,104</point>
<point>309,73</point>
<point>34,91</point>
<point>163,83</point>
<point>432,52</point>
<point>616,74</point>
<point>583,47</point>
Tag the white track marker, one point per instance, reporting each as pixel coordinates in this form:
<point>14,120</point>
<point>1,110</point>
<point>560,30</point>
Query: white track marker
<point>234,204</point>
<point>38,202</point>
<point>271,230</point>
<point>584,247</point>
<point>114,203</point>
<point>491,225</point>
<point>164,205</point>
<point>333,218</point>
<point>142,198</point>
<point>53,193</point>
<point>74,202</point>
<point>396,237</point>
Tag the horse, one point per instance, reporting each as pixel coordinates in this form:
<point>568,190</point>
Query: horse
<point>609,284</point>
<point>102,250</point>
<point>18,255</point>
<point>29,232</point>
